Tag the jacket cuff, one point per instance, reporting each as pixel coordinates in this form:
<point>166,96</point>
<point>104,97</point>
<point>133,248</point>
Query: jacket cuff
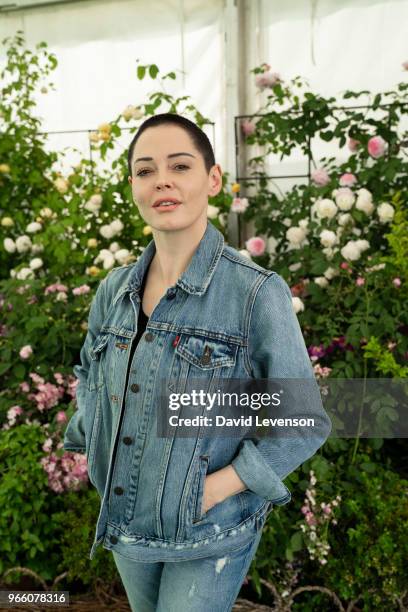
<point>258,476</point>
<point>74,449</point>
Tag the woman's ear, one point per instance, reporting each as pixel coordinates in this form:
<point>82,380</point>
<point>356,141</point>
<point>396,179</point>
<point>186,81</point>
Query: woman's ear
<point>215,180</point>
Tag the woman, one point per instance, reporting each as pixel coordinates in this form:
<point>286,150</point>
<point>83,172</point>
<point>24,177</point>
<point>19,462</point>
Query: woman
<point>183,514</point>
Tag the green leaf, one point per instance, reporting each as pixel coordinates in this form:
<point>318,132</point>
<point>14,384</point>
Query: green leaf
<point>153,71</point>
<point>141,71</point>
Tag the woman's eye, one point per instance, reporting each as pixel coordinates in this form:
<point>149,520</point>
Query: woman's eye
<point>146,171</point>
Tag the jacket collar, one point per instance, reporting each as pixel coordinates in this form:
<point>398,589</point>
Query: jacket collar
<point>196,278</point>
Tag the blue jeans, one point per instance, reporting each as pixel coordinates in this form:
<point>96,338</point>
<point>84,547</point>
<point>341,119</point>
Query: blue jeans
<point>200,585</point>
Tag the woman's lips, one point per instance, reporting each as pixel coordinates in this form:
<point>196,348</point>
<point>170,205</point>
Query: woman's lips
<point>161,208</point>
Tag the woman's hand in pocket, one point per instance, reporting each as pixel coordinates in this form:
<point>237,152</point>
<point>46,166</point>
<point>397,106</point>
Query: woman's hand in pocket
<point>219,485</point>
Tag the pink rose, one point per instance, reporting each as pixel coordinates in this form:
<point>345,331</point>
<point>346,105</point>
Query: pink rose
<point>255,246</point>
<point>239,205</point>
<point>396,282</point>
<point>267,79</point>
<point>320,177</point>
<point>81,290</point>
<point>360,281</point>
<point>376,146</point>
<point>348,180</point>
<point>353,144</point>
<point>61,417</point>
<point>405,65</point>
<point>26,351</point>
<point>248,127</point>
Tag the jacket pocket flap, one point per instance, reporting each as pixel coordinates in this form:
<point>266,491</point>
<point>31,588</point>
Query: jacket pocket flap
<point>98,346</point>
<point>206,353</point>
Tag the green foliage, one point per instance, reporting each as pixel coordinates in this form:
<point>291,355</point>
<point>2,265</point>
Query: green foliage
<point>76,525</point>
<point>28,536</point>
<point>367,558</point>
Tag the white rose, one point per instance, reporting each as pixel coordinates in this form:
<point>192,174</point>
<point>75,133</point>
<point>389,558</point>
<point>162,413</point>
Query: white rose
<point>356,231</point>
<point>321,281</point>
<point>271,244</point>
<point>295,266</point>
<point>106,231</point>
<point>96,199</point>
<point>385,212</point>
<point>295,235</point>
<point>9,245</point>
<point>303,223</point>
<point>7,222</point>
<point>114,247</point>
<point>298,305</point>
<point>33,227</point>
<point>91,207</point>
<point>344,198</point>
<point>326,208</point>
<point>286,221</point>
<point>25,273</point>
<point>212,211</point>
<point>36,263</point>
<point>37,248</point>
<point>365,201</point>
<point>117,226</point>
<point>331,273</point>
<point>245,253</point>
<point>109,261</point>
<point>362,245</point>
<point>345,219</point>
<point>46,212</point>
<point>329,252</point>
<point>121,256</point>
<point>61,185</point>
<point>350,251</point>
<point>23,244</point>
<point>328,238</point>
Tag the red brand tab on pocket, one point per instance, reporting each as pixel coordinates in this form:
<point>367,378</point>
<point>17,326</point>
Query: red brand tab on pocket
<point>176,341</point>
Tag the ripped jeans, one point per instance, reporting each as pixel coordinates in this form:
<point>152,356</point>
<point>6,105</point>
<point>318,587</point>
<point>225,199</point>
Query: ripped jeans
<point>199,585</point>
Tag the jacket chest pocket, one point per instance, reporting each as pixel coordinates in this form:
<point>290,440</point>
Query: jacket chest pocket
<point>96,353</point>
<point>198,357</point>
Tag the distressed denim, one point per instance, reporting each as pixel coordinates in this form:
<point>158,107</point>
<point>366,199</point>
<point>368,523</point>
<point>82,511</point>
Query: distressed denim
<point>212,583</point>
<point>225,317</point>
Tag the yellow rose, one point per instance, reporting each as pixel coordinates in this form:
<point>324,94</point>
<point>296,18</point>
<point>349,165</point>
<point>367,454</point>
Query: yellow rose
<point>93,270</point>
<point>84,325</point>
<point>7,222</point>
<point>4,168</point>
<point>147,230</point>
<point>104,136</point>
<point>104,127</point>
<point>94,137</point>
<point>235,187</point>
<point>92,243</point>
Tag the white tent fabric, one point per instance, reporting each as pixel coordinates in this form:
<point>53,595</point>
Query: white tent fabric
<point>336,45</point>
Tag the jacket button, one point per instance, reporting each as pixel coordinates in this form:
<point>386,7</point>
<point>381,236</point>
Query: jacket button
<point>149,337</point>
<point>134,387</point>
<point>127,440</point>
<point>113,539</point>
<point>118,490</point>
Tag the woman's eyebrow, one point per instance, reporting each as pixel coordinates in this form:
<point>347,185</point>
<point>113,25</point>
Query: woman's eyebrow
<point>168,157</point>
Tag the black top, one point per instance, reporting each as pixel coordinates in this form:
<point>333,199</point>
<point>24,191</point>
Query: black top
<point>141,322</point>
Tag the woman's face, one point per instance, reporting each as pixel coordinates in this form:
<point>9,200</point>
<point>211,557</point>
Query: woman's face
<point>166,165</point>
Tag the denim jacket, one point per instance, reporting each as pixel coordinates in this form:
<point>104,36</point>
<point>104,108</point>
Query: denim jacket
<point>151,487</point>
